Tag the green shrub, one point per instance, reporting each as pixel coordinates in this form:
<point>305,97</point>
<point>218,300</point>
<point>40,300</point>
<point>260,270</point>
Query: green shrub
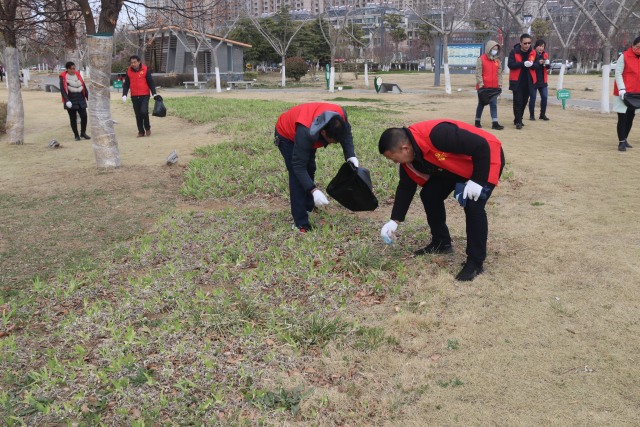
<point>250,75</point>
<point>295,68</point>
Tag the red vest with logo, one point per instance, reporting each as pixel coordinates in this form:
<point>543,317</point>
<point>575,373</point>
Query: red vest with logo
<point>459,164</point>
<point>630,74</point>
<point>534,74</point>
<point>304,114</point>
<point>138,81</point>
<point>514,74</point>
<point>490,69</point>
<point>66,89</point>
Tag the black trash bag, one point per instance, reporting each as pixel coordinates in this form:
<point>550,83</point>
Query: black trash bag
<point>352,188</point>
<point>487,94</point>
<point>159,110</point>
<point>632,99</point>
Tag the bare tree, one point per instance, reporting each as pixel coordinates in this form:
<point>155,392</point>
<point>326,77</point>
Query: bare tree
<point>334,35</point>
<point>612,16</point>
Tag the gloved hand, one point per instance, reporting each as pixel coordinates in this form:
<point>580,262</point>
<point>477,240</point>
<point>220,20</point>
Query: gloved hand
<point>388,231</point>
<point>68,104</point>
<point>354,161</point>
<point>528,64</point>
<point>124,98</point>
<point>319,199</point>
<point>480,85</point>
<point>155,95</point>
<point>472,190</point>
<point>621,93</point>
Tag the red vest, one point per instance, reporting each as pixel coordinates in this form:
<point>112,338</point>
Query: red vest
<point>459,164</point>
<point>534,74</point>
<point>138,81</point>
<point>304,114</point>
<point>630,74</point>
<point>514,74</point>
<point>66,89</point>
<point>490,70</point>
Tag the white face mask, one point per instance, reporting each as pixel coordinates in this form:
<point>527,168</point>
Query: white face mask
<point>494,52</point>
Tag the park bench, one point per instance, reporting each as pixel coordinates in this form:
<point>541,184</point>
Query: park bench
<point>236,84</point>
<point>198,84</point>
<point>390,87</point>
<point>51,88</point>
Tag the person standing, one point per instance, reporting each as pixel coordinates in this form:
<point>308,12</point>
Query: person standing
<point>74,97</point>
<point>1,73</point>
<point>627,80</point>
<point>539,74</point>
<point>139,79</point>
<point>520,82</point>
<point>299,132</point>
<point>488,76</point>
<point>440,155</point>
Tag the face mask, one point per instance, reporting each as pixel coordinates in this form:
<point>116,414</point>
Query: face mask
<point>494,52</point>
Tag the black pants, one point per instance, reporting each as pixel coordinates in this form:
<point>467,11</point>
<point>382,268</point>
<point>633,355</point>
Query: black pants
<point>520,100</point>
<point>141,108</point>
<point>625,121</point>
<point>73,119</point>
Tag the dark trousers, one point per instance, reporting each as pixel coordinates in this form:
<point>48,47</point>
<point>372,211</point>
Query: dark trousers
<point>301,201</point>
<point>493,109</point>
<point>73,119</point>
<point>141,108</point>
<point>625,121</point>
<point>433,195</point>
<point>544,92</point>
<point>520,98</point>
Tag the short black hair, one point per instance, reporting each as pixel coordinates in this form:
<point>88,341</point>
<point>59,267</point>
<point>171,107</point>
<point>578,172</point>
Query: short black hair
<point>135,57</point>
<point>392,139</point>
<point>335,129</point>
<point>636,41</point>
<point>69,65</point>
<point>539,42</point>
<point>525,36</point>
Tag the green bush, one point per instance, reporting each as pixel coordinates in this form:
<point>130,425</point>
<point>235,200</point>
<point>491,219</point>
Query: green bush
<point>250,75</point>
<point>296,68</point>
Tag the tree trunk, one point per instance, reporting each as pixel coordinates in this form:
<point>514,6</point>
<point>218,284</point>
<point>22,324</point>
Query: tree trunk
<point>366,75</point>
<point>283,70</point>
<point>73,55</point>
<point>105,143</point>
<point>15,108</point>
<point>445,56</point>
<point>218,88</point>
<point>332,78</point>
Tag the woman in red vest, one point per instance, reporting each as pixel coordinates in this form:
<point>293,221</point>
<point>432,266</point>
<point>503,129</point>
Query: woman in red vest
<point>74,97</point>
<point>141,83</point>
<point>627,80</point>
<point>539,74</point>
<point>488,75</point>
<point>440,156</point>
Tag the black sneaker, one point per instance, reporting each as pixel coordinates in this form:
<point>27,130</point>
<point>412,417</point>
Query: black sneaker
<point>622,146</point>
<point>478,125</point>
<point>543,117</point>
<point>77,138</point>
<point>627,145</point>
<point>533,118</point>
<point>497,126</point>
<point>85,136</point>
<point>469,271</point>
<point>435,248</point>
<point>518,125</point>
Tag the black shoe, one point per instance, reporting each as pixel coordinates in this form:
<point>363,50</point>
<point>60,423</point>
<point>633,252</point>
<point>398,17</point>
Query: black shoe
<point>478,125</point>
<point>435,248</point>
<point>85,136</point>
<point>622,146</point>
<point>518,125</point>
<point>303,228</point>
<point>77,138</point>
<point>627,145</point>
<point>497,126</point>
<point>533,118</point>
<point>543,117</point>
<point>469,271</point>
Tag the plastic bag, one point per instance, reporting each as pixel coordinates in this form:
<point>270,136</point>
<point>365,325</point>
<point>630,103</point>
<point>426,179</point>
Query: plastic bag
<point>159,110</point>
<point>632,99</point>
<point>352,188</point>
<point>487,94</point>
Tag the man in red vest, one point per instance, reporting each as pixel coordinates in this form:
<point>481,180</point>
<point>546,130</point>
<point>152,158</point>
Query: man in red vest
<point>440,156</point>
<point>299,132</point>
<point>141,83</point>
<point>519,77</point>
<point>539,76</point>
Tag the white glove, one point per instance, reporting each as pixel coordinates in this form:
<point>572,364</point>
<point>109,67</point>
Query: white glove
<point>472,190</point>
<point>68,104</point>
<point>319,199</point>
<point>124,98</point>
<point>388,231</point>
<point>354,161</point>
<point>155,95</point>
<point>621,93</point>
<point>528,64</point>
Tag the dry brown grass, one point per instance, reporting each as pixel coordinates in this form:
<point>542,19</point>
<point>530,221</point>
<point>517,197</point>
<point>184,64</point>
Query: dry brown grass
<point>547,336</point>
